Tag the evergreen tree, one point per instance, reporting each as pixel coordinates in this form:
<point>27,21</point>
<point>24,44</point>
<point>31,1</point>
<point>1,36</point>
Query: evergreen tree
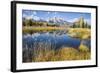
<point>81,22</point>
<point>30,22</point>
<point>23,23</point>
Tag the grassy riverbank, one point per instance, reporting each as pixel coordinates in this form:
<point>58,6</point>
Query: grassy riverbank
<point>81,33</point>
<point>42,29</point>
<point>65,53</point>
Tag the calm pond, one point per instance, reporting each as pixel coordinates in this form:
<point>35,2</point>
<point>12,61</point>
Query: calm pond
<point>51,41</point>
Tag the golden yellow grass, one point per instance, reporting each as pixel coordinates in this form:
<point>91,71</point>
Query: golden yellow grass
<point>82,33</point>
<point>48,28</point>
<point>66,53</point>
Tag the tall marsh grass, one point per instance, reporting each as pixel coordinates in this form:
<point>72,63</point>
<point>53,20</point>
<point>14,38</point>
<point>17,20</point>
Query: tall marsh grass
<point>65,53</point>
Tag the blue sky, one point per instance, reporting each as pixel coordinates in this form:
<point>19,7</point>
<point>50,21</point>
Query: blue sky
<point>68,16</point>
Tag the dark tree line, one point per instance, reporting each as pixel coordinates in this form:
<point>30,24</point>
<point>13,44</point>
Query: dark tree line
<point>36,23</point>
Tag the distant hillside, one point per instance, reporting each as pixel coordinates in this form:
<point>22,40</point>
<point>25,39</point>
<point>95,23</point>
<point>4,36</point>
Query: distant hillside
<point>51,21</point>
<point>81,23</point>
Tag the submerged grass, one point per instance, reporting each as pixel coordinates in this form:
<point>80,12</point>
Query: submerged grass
<point>65,53</point>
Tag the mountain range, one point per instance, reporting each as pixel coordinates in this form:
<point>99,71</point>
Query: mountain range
<point>59,21</point>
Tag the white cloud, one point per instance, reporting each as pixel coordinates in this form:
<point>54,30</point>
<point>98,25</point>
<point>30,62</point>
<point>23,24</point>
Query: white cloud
<point>76,19</point>
<point>32,17</point>
<point>24,15</point>
<point>29,17</point>
<point>36,17</point>
<point>73,20</point>
<point>34,12</point>
<point>48,12</point>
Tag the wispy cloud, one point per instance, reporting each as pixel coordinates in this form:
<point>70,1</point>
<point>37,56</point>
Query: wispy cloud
<point>34,12</point>
<point>76,19</point>
<point>36,17</point>
<point>72,20</point>
<point>29,17</point>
